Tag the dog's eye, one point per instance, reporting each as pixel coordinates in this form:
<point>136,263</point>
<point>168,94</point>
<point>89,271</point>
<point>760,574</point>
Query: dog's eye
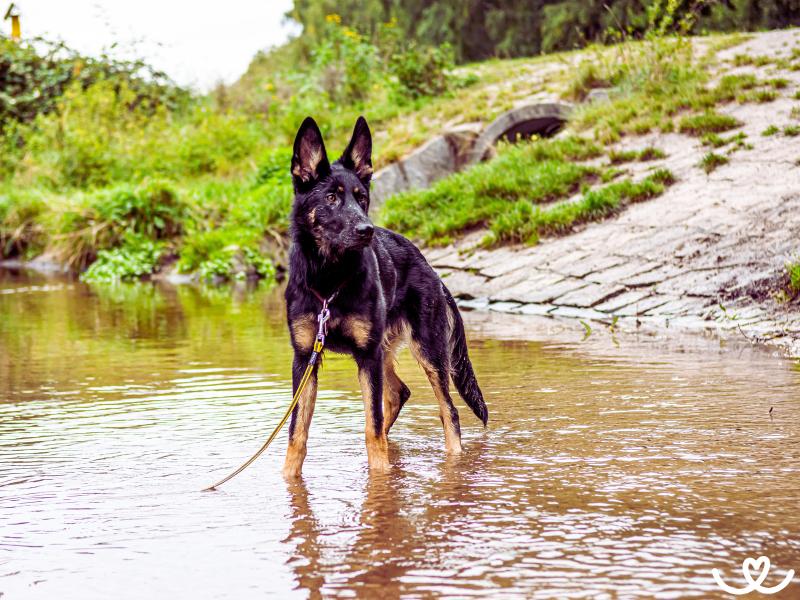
<point>331,198</point>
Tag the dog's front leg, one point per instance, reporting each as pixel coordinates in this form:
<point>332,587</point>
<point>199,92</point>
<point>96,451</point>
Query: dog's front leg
<point>301,417</point>
<point>370,375</point>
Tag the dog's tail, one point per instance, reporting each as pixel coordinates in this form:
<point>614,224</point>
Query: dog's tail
<point>460,365</point>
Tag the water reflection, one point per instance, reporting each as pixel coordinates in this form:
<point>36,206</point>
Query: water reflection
<point>608,470</point>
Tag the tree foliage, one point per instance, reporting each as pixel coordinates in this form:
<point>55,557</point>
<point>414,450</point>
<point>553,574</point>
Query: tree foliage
<point>480,29</point>
<point>35,73</point>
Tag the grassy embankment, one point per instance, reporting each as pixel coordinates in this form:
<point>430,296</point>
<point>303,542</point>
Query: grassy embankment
<point>658,85</point>
<point>101,180</point>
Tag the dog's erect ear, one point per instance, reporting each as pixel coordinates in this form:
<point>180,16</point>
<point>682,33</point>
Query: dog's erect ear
<point>358,155</point>
<point>309,160</point>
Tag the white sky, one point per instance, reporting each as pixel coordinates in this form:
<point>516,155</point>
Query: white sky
<point>196,42</point>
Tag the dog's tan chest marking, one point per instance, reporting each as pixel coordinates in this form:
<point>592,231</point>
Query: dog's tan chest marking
<point>357,329</point>
<point>304,331</point>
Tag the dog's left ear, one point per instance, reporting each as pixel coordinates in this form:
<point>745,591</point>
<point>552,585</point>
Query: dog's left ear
<point>358,155</point>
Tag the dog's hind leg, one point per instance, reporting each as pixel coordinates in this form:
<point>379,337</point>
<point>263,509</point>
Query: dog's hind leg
<point>434,362</point>
<point>395,392</point>
<point>301,417</point>
<point>370,375</point>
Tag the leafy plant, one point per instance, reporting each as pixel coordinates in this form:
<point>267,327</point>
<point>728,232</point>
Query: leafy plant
<point>422,71</point>
<point>226,253</point>
<point>137,257</point>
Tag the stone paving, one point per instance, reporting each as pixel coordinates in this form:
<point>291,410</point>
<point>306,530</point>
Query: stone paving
<point>710,253</point>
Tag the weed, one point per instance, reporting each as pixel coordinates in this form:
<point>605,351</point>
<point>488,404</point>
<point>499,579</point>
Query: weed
<point>741,60</point>
<point>791,130</point>
<point>716,141</point>
<point>708,122</point>
<point>793,270</point>
<point>778,83</point>
<point>771,130</point>
<point>646,154</point>
<point>711,161</point>
<point>759,96</point>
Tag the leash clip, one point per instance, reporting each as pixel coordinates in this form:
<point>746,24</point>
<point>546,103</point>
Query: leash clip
<point>322,318</point>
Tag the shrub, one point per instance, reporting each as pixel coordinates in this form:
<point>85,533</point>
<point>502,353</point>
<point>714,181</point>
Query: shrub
<point>34,74</point>
<point>98,136</point>
<point>422,71</point>
<point>101,220</point>
<point>225,253</point>
<point>137,257</point>
<point>21,233</point>
<point>344,62</point>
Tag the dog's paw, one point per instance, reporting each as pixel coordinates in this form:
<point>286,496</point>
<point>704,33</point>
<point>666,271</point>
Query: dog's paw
<point>379,464</point>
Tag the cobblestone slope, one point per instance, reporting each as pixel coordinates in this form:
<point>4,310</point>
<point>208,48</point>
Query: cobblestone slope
<point>708,253</point>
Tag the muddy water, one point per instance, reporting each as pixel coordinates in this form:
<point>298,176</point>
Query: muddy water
<point>612,467</point>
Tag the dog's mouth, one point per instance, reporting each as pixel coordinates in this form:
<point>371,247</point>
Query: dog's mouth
<point>335,247</point>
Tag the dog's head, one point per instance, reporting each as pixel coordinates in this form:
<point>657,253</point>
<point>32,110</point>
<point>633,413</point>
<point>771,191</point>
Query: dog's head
<point>332,200</point>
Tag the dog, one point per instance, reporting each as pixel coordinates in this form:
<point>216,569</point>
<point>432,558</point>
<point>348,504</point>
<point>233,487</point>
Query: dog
<point>384,294</point>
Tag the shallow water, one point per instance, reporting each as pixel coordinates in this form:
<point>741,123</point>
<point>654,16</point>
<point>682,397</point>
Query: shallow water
<point>612,467</point>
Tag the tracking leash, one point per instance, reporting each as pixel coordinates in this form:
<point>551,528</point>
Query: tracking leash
<point>319,344</point>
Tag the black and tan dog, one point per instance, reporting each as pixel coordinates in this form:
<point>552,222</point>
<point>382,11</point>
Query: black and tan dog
<point>385,294</point>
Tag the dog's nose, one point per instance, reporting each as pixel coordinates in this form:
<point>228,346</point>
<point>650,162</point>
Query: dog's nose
<point>365,230</point>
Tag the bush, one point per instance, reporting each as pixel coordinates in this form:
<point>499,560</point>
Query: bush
<point>344,62</point>
<point>21,233</point>
<point>34,74</point>
<point>101,220</point>
<point>137,257</point>
<point>225,253</point>
<point>422,71</point>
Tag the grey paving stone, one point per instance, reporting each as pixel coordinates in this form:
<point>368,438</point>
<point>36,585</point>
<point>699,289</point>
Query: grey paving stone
<point>623,300</point>
<point>589,295</point>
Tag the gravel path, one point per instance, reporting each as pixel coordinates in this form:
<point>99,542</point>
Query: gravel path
<point>707,254</point>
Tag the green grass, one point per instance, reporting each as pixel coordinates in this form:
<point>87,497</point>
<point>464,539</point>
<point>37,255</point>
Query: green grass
<point>791,130</point>
<point>536,172</point>
<point>778,83</point>
<point>526,223</point>
<point>758,96</point>
<point>770,130</point>
<point>741,60</point>
<point>717,141</point>
<point>711,161</point>
<point>708,122</point>
<point>646,154</point>
<point>518,196</point>
<point>793,270</point>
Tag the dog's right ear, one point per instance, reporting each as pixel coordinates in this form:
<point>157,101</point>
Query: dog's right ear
<point>309,160</point>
